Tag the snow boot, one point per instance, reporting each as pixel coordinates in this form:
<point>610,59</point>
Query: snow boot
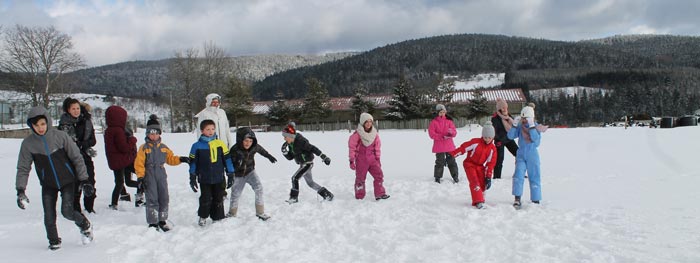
<point>164,226</point>
<point>154,226</point>
<point>293,196</point>
<point>86,231</point>
<point>479,205</point>
<point>437,180</point>
<point>385,196</point>
<point>260,213</point>
<point>113,207</point>
<point>232,212</point>
<point>140,199</point>
<point>202,221</point>
<point>455,179</point>
<point>536,202</point>
<point>517,205</point>
<point>327,195</point>
<point>55,244</point>
<point>125,197</point>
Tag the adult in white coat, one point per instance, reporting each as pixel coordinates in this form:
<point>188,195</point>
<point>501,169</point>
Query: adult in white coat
<point>214,113</point>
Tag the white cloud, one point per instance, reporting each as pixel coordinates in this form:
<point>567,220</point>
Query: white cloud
<point>107,31</point>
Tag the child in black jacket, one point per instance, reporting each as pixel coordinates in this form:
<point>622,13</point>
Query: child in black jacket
<point>298,148</point>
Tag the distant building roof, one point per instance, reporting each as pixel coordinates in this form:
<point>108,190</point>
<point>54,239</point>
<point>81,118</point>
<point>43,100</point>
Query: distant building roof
<point>382,101</point>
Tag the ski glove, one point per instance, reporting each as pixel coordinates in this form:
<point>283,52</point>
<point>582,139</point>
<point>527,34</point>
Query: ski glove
<point>530,122</point>
<point>142,183</point>
<point>517,121</point>
<point>88,189</point>
<point>272,159</point>
<point>22,199</point>
<point>326,159</point>
<point>285,148</point>
<point>487,183</point>
<point>193,182</point>
<point>184,159</point>
<point>91,152</point>
<point>229,182</point>
<point>352,165</point>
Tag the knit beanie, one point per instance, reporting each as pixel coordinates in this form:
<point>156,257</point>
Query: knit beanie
<point>153,126</point>
<point>501,104</point>
<point>290,131</point>
<point>365,117</point>
<point>440,107</point>
<point>488,130</point>
<point>528,111</point>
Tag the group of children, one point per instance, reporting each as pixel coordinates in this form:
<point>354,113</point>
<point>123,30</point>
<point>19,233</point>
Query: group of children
<point>214,167</point>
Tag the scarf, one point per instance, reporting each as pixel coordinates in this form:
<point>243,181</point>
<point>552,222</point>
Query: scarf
<point>367,137</point>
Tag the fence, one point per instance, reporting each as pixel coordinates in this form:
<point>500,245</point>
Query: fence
<point>416,124</point>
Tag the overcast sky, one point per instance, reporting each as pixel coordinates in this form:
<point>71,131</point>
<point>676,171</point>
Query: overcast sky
<point>112,31</point>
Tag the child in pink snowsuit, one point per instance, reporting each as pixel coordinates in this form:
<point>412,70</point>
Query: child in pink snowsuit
<point>481,159</point>
<point>365,153</point>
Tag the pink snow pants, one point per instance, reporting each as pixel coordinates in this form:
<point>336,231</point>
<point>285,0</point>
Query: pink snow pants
<point>367,162</point>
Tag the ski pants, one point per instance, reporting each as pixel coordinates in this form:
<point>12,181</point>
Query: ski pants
<point>512,148</point>
<point>442,160</point>
<point>304,171</point>
<point>49,197</point>
<point>364,164</point>
<point>157,197</point>
<point>211,201</point>
<point>239,183</point>
<point>88,202</point>
<point>529,163</point>
<point>477,184</point>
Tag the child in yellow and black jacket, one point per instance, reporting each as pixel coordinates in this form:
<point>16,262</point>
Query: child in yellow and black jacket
<point>151,174</point>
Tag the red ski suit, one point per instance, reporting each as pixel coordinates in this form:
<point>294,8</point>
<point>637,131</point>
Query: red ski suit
<point>481,158</point>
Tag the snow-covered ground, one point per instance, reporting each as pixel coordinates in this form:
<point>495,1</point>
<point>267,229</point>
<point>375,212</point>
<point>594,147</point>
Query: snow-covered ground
<point>567,91</point>
<point>484,80</point>
<point>610,195</point>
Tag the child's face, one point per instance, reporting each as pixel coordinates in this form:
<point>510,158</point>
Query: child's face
<point>74,110</point>
<point>442,113</point>
<point>247,142</point>
<point>288,140</point>
<point>40,126</point>
<point>209,130</point>
<point>367,124</point>
<point>487,140</point>
<point>153,136</point>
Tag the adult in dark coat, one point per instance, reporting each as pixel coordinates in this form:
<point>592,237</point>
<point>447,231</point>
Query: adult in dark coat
<point>502,122</point>
<point>77,122</point>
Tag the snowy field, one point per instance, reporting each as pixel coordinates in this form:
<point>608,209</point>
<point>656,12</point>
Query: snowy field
<point>609,195</point>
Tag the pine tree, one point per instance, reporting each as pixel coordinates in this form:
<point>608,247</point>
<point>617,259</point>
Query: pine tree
<point>239,100</point>
<point>279,112</point>
<point>360,104</point>
<point>477,106</point>
<point>404,104</point>
<point>316,104</point>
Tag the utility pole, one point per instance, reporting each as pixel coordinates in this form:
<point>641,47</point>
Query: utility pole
<point>172,122</point>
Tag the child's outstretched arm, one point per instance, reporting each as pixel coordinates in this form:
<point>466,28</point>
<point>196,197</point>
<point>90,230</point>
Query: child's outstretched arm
<point>172,159</point>
<point>261,150</point>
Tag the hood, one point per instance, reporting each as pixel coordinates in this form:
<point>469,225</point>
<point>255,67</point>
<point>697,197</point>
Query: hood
<point>85,110</point>
<point>242,133</point>
<point>211,97</point>
<point>39,111</point>
<point>116,116</point>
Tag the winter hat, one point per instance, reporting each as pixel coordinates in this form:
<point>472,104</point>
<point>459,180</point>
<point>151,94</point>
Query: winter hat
<point>440,107</point>
<point>488,130</point>
<point>528,111</point>
<point>153,126</point>
<point>364,117</point>
<point>501,104</point>
<point>289,131</point>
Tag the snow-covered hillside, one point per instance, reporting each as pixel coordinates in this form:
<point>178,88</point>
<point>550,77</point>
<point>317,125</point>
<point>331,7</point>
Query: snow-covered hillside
<point>484,80</point>
<point>610,195</point>
<point>566,91</point>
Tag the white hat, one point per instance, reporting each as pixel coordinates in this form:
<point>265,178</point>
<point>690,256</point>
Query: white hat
<point>528,111</point>
<point>440,107</point>
<point>488,130</point>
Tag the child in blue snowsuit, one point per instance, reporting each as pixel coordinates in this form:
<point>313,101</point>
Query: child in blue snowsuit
<point>527,158</point>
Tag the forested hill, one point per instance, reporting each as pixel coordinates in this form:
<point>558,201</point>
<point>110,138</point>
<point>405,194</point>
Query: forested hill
<point>422,60</point>
<point>143,78</point>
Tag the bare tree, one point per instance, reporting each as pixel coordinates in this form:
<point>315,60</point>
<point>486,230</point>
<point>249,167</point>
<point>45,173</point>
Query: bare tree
<point>39,56</point>
<point>182,74</point>
<point>214,64</point>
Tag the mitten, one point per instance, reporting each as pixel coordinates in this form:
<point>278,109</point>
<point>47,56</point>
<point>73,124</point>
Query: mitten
<point>193,182</point>
<point>530,122</point>
<point>516,121</point>
<point>285,148</point>
<point>88,189</point>
<point>229,182</point>
<point>184,159</point>
<point>272,159</point>
<point>22,199</point>
<point>326,159</point>
<point>487,183</point>
<point>352,165</point>
<point>91,152</point>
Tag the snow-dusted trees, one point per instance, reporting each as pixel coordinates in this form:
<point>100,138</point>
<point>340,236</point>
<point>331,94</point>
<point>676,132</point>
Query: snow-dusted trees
<point>38,57</point>
<point>360,104</point>
<point>476,108</point>
<point>404,104</point>
<point>316,106</point>
<point>239,100</point>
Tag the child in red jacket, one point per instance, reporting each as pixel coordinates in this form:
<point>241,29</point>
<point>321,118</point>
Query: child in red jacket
<point>481,159</point>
